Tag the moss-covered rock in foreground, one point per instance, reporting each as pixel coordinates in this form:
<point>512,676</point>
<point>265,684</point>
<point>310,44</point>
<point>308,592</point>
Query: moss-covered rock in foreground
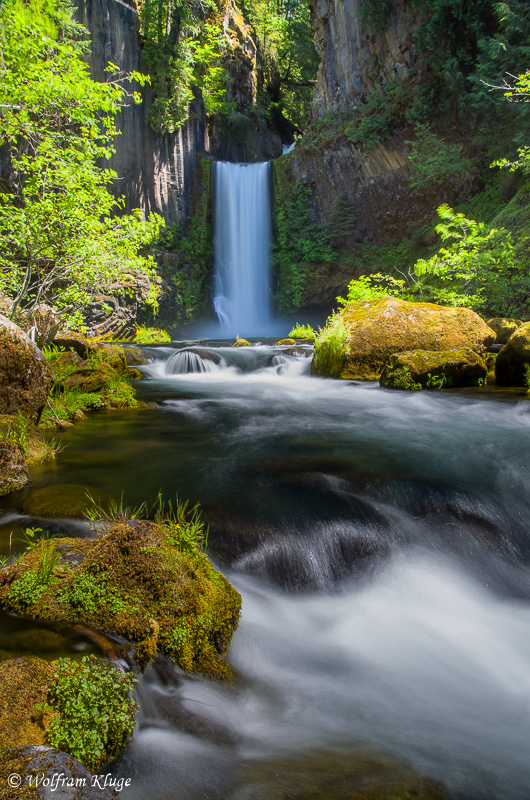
<point>25,375</point>
<point>427,369</point>
<point>21,445</point>
<point>503,328</point>
<point>140,580</point>
<point>513,359</point>
<point>79,707</point>
<point>358,341</point>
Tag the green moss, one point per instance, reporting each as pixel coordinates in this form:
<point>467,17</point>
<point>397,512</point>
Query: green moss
<point>239,342</point>
<point>421,369</point>
<point>135,577</point>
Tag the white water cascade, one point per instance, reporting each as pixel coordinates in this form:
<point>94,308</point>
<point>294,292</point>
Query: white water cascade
<point>242,248</point>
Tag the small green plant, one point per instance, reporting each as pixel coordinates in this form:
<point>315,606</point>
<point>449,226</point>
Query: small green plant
<point>442,381</point>
<point>151,336</point>
<point>303,332</point>
<point>113,511</point>
<point>94,713</point>
<point>186,530</point>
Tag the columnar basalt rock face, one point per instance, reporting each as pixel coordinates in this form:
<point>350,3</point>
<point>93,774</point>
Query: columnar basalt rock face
<point>156,172</point>
<point>354,59</point>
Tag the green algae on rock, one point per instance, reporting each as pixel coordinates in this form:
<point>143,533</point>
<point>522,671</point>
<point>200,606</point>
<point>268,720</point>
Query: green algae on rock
<point>510,366</point>
<point>357,341</point>
<point>428,369</point>
<point>138,576</point>
<point>286,341</point>
<point>241,342</point>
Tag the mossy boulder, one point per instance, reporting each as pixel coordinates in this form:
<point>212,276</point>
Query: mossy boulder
<point>73,341</point>
<point>88,379</point>
<point>511,363</point>
<point>241,343</point>
<point>64,501</point>
<point>503,328</point>
<point>25,684</point>
<point>25,376</point>
<point>141,580</point>
<point>21,445</point>
<point>428,369</point>
<point>112,355</point>
<point>66,704</point>
<point>358,341</point>
<point>286,342</point>
<point>134,356</point>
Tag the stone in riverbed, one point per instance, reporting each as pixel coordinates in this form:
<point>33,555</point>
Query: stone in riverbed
<point>358,341</point>
<point>140,580</point>
<point>503,328</point>
<point>427,369</point>
<point>513,359</point>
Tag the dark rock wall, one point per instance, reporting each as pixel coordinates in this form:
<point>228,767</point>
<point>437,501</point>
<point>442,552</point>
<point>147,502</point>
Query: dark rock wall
<point>156,172</point>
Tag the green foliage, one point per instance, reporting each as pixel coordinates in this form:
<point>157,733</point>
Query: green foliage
<point>90,592</point>
<point>301,250</point>
<point>185,528</point>
<point>26,590</point>
<point>435,162</point>
<point>376,14</point>
<point>480,267</point>
<point>442,381</point>
<point>151,336</point>
<point>343,221</point>
<point>184,47</point>
<point>60,236</point>
<point>376,120</point>
<point>303,332</point>
<point>17,432</point>
<point>289,60</point>
<point>331,347</point>
<point>518,93</point>
<point>94,714</point>
<point>370,287</point>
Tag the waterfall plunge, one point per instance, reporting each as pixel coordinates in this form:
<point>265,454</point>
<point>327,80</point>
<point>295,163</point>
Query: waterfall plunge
<point>242,248</point>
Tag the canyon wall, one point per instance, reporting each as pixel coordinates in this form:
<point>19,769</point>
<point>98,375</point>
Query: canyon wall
<point>156,172</point>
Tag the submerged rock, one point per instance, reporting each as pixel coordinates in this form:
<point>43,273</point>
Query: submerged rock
<point>25,376</point>
<point>427,369</point>
<point>335,776</point>
<point>63,501</point>
<point>145,581</point>
<point>513,359</point>
<point>358,341</point>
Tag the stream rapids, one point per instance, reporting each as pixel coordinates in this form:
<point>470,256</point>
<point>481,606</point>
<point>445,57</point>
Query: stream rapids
<point>380,542</point>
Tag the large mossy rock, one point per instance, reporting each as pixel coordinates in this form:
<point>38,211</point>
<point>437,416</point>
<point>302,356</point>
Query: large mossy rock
<point>503,328</point>
<point>69,704</point>
<point>21,445</point>
<point>358,341</point>
<point>141,580</point>
<point>511,363</point>
<point>25,376</point>
<point>88,379</point>
<point>421,369</point>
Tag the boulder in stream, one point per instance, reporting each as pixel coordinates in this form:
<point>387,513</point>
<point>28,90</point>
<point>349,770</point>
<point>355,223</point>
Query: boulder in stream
<point>503,328</point>
<point>147,582</point>
<point>428,369</point>
<point>358,341</point>
<point>514,358</point>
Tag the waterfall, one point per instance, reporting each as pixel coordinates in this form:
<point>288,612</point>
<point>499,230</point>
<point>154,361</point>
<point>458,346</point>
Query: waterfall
<point>242,248</point>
